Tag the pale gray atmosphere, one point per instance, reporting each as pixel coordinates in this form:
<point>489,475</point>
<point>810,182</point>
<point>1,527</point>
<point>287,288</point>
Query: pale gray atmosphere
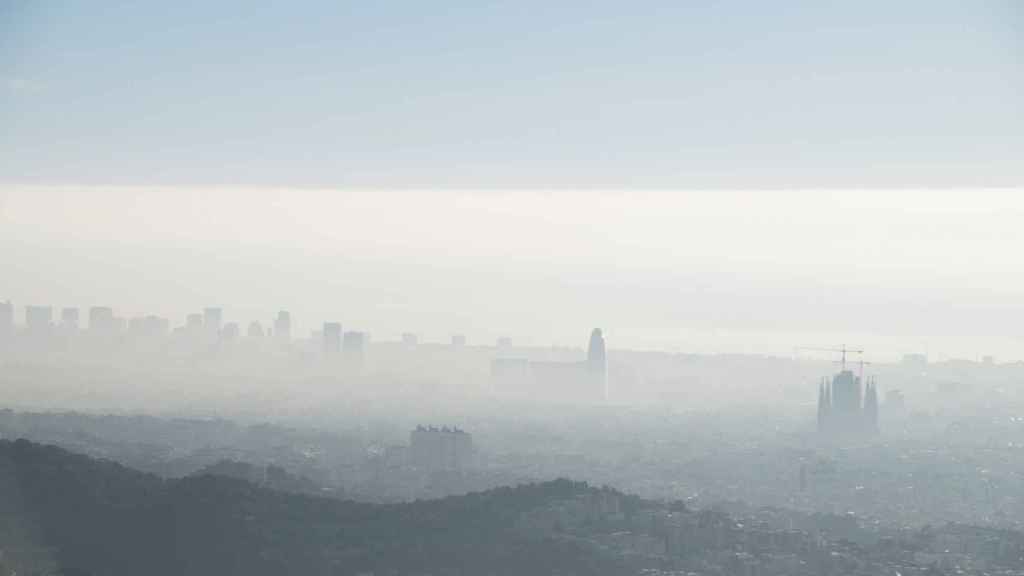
<point>511,289</point>
<point>757,272</point>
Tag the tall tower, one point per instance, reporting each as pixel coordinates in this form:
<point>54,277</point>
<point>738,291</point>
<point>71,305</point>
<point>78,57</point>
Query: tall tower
<point>283,326</point>
<point>69,320</point>
<point>212,320</point>
<point>597,361</point>
<point>846,412</point>
<point>332,337</point>
<point>823,405</point>
<point>871,406</point>
<point>38,319</point>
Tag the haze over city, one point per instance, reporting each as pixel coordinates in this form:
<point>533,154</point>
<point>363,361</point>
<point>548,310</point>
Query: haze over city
<point>575,288</point>
<point>752,272</point>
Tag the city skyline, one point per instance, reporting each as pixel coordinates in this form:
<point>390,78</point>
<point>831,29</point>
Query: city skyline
<point>709,272</point>
<point>512,288</point>
<point>333,336</point>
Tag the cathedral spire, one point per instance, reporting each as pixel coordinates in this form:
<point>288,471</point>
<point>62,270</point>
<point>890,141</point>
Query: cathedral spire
<point>824,404</point>
<point>871,406</point>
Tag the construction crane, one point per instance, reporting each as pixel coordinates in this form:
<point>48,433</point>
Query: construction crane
<point>862,363</point>
<point>844,351</point>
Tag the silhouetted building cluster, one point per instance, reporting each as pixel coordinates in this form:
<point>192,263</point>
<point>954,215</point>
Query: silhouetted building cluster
<point>104,329</point>
<point>843,407</point>
<point>208,330</point>
<point>440,448</point>
<point>577,381</point>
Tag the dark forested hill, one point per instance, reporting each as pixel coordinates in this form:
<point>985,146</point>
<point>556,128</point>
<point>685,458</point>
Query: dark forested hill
<point>80,516</point>
<point>63,513</point>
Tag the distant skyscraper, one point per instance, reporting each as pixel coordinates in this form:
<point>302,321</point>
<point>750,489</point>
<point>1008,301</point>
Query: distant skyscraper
<point>283,326</point>
<point>458,341</point>
<point>332,337</point>
<point>101,320</point>
<point>871,407</point>
<point>212,320</point>
<point>230,332</point>
<point>255,330</point>
<point>38,319</point>
<point>410,340</point>
<point>6,318</point>
<point>69,319</point>
<point>597,360</point>
<point>355,344</point>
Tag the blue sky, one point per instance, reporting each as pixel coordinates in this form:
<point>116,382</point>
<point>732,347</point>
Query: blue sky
<point>460,94</point>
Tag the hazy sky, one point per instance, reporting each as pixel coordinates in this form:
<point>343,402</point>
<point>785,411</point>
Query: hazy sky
<point>151,153</point>
<point>758,272</point>
<point>513,94</point>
